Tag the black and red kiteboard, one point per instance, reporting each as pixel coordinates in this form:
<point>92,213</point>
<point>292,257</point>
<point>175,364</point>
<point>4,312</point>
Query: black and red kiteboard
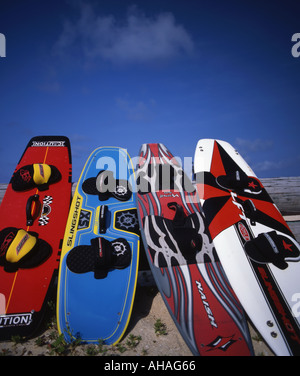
<point>33,215</point>
<point>183,260</point>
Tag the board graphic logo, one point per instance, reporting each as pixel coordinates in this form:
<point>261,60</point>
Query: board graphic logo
<point>243,231</point>
<point>21,243</point>
<point>73,223</point>
<point>25,175</point>
<point>206,305</point>
<point>169,194</point>
<point>48,143</point>
<point>23,319</point>
<point>221,343</point>
<point>6,243</point>
<point>84,219</point>
<point>127,221</point>
<point>46,210</point>
<point>119,248</point>
<point>286,320</point>
<point>121,190</point>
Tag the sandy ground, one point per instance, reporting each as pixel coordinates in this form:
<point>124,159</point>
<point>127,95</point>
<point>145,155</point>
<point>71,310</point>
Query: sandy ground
<point>141,339</point>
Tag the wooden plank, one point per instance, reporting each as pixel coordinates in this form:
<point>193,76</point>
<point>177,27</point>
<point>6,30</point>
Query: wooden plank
<point>285,192</point>
<point>2,191</point>
<point>292,218</point>
<point>295,228</point>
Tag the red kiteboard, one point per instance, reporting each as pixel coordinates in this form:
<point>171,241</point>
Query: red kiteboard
<point>33,215</point>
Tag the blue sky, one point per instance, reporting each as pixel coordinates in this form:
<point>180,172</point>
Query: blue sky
<point>123,73</point>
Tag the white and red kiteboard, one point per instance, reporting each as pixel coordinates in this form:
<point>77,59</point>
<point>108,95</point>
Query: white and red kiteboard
<point>255,245</point>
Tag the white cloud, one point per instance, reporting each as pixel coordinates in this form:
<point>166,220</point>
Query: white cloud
<point>139,39</point>
<point>136,111</point>
<point>268,166</point>
<point>264,161</point>
<point>253,145</point>
<point>252,150</point>
<point>285,166</point>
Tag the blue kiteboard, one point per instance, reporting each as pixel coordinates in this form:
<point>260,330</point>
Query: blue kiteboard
<point>100,253</point>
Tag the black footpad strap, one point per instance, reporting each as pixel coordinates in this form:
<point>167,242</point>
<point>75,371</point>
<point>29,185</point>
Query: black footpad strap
<point>273,248</point>
<point>20,249</point>
<point>37,175</point>
<point>99,257</point>
<point>239,181</point>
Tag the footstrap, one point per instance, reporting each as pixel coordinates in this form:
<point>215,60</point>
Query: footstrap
<point>239,181</point>
<point>21,249</point>
<point>187,237</point>
<point>273,248</point>
<point>99,257</point>
<point>39,175</point>
<point>103,257</point>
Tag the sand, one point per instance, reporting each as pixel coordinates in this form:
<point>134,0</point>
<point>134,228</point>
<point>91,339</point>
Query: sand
<point>151,332</point>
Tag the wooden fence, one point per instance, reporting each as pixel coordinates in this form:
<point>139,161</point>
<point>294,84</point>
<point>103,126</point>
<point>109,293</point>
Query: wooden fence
<point>285,192</point>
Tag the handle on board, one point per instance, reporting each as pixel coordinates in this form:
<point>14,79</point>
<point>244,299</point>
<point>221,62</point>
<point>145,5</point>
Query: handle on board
<point>29,209</point>
<point>102,218</point>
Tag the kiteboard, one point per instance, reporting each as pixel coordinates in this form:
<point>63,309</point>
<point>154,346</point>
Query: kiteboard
<point>182,258</point>
<point>100,254</point>
<point>255,245</point>
<point>33,215</point>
